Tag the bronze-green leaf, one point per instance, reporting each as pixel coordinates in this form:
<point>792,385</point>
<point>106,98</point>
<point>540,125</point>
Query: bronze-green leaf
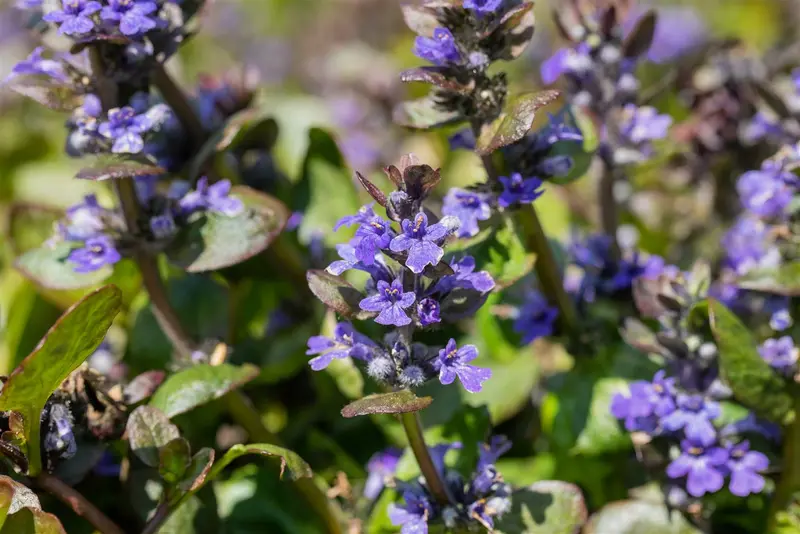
<point>336,293</point>
<point>754,383</point>
<point>396,402</point>
<point>198,385</point>
<point>638,517</point>
<point>424,113</point>
<point>48,267</point>
<point>149,431</point>
<point>110,166</point>
<point>30,521</point>
<point>785,280</point>
<point>73,338</point>
<point>515,121</point>
<point>291,462</point>
<point>546,507</point>
<point>215,241</point>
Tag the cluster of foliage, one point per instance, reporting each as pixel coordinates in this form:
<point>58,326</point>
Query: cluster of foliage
<point>436,347</point>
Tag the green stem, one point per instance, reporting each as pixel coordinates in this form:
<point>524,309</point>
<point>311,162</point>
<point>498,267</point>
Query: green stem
<point>789,484</point>
<point>179,102</point>
<point>159,518</point>
<point>416,440</point>
<point>609,212</point>
<point>547,269</point>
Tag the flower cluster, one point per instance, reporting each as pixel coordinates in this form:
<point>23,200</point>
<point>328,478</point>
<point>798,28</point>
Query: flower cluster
<point>478,500</point>
<point>411,285</point>
<point>130,18</point>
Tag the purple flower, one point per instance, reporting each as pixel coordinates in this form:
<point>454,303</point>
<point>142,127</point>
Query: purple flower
<point>566,61</point>
<point>702,466</point>
<point>748,246</point>
<point>364,216</point>
<point>97,252</point>
<point>464,277</point>
<point>765,192</point>
<point>422,241</point>
<point>214,197</point>
<point>380,467</point>
<point>490,452</point>
<point>36,65</point>
<point>428,310</point>
<point>74,17</point>
<point>413,517</point>
<point>371,238</point>
<point>390,301</point>
<point>440,49</point>
<point>454,362</point>
<point>463,139</point>
<point>780,353</point>
<point>483,6</point>
<point>642,124</point>
<point>535,318</point>
<point>745,466</point>
<point>346,342</point>
<point>125,128</point>
<point>646,404</point>
<point>469,207</point>
<point>131,15</point>
<point>519,190</point>
<point>84,220</point>
<point>693,414</point>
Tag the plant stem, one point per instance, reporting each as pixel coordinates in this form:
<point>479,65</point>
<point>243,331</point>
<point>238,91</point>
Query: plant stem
<point>178,101</point>
<point>789,484</point>
<point>154,523</point>
<point>79,504</point>
<point>609,214</point>
<point>416,440</point>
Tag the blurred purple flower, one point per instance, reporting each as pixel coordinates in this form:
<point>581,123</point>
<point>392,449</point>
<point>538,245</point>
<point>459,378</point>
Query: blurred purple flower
<point>134,17</point>
<point>463,139</point>
<point>454,362</point>
<point>413,516</point>
<point>642,124</point>
<point>535,318</point>
<point>74,17</point>
<point>97,252</point>
<point>748,247</point>
<point>483,6</point>
<point>440,49</point>
<point>693,415</point>
<point>346,342</point>
<point>780,353</point>
<point>645,405</point>
<point>36,65</point>
<point>519,190</point>
<point>215,197</point>
<point>703,467</point>
<point>765,192</point>
<point>381,466</point>
<point>125,128</point>
<point>745,466</point>
<point>469,207</point>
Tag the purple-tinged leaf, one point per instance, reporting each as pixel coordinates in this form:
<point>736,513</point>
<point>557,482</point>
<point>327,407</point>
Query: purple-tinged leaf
<point>424,113</point>
<point>422,17</point>
<point>142,387</point>
<point>514,30</point>
<point>197,472</point>
<point>515,121</point>
<point>215,241</point>
<point>441,77</point>
<point>81,43</point>
<point>336,293</point>
<point>149,431</point>
<point>641,36</point>
<point>111,166</point>
<point>50,94</point>
<point>372,189</point>
<point>396,402</point>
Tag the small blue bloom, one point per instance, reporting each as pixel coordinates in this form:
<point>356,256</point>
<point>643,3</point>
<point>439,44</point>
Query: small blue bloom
<point>469,207</point>
<point>693,414</point>
<point>390,301</point>
<point>413,517</point>
<point>215,197</point>
<point>464,276</point>
<point>748,246</point>
<point>703,467</point>
<point>84,220</point>
<point>744,466</point>
<point>74,17</point>
<point>536,318</point>
<point>125,128</point>
<point>422,241</point>
<point>483,6</point>
<point>440,49</point>
<point>454,362</point>
<point>163,226</point>
<point>97,252</point>
<point>490,452</point>
<point>134,17</point>
<point>346,342</point>
<point>765,192</point>
<point>642,124</point>
<point>780,353</point>
<point>519,190</point>
<point>371,238</point>
<point>36,65</point>
<point>566,61</point>
<point>381,466</point>
<point>462,139</point>
<point>364,215</point>
<point>646,405</point>
<point>780,320</point>
<point>428,310</point>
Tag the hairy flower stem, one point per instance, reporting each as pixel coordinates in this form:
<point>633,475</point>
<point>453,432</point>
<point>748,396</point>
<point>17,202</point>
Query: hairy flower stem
<point>609,215</point>
<point>546,267</point>
<point>177,100</point>
<point>789,484</point>
<point>416,440</point>
<point>79,504</point>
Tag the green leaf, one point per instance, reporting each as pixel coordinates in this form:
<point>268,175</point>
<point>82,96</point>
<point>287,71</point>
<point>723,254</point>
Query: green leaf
<point>30,225</point>
<point>501,252</point>
<point>196,473</point>
<point>173,460</point>
<point>149,431</point>
<point>337,294</point>
<point>546,507</point>
<point>509,389</point>
<point>111,166</point>
<point>326,191</point>
<point>754,383</point>
<point>638,517</point>
<point>21,496</point>
<point>73,338</point>
<point>424,113</point>
<point>215,241</point>
<point>30,521</point>
<point>48,267</point>
<point>291,462</point>
<point>198,385</point>
<point>515,121</point>
<point>403,401</point>
<point>782,281</point>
